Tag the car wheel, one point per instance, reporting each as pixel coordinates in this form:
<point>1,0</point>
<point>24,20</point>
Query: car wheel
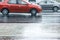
<point>33,12</point>
<point>55,9</point>
<point>5,12</point>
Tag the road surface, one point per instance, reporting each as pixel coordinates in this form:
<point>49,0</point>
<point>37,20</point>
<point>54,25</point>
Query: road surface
<point>25,27</point>
<point>46,17</point>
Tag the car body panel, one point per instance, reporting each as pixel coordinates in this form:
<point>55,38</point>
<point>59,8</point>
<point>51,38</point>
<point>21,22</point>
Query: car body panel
<point>23,8</point>
<point>48,5</point>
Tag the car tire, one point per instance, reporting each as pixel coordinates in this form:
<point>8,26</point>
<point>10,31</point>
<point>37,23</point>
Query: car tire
<point>33,12</point>
<point>5,12</point>
<point>55,9</point>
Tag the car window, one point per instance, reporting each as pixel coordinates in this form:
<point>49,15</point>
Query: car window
<point>21,2</point>
<point>12,1</point>
<point>50,2</point>
<point>32,0</point>
<point>43,2</point>
<point>1,0</point>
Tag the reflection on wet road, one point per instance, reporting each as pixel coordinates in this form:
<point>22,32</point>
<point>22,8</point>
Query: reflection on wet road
<point>13,18</point>
<point>25,27</point>
<point>47,17</point>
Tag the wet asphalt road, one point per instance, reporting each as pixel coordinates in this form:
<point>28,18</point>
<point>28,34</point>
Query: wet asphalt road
<point>30,31</point>
<point>46,17</point>
<point>23,26</point>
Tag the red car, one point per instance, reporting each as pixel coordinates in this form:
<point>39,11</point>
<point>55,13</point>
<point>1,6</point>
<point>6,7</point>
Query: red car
<point>18,6</point>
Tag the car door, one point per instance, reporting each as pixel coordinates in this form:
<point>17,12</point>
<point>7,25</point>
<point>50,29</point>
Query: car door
<point>43,5</point>
<point>50,5</point>
<point>23,6</point>
<point>13,6</point>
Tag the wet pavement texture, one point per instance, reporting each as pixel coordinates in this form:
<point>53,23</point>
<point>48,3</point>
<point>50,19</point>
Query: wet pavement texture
<point>24,27</point>
<point>44,17</point>
<point>31,31</point>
